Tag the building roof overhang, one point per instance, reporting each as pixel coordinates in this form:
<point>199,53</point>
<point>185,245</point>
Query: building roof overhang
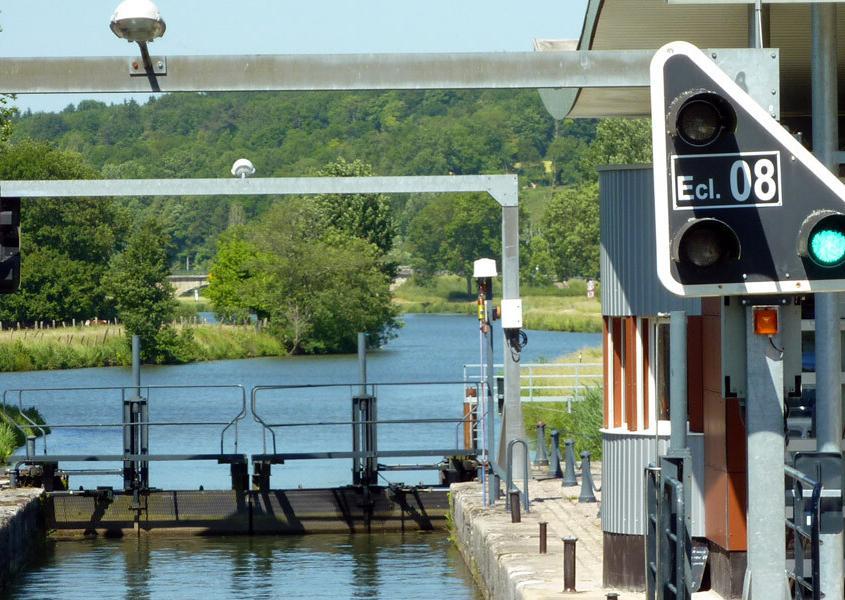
<point>649,24</point>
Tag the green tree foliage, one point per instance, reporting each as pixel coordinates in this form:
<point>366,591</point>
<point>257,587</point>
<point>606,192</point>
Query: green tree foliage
<point>570,224</point>
<point>571,229</point>
<point>452,231</point>
<point>65,243</point>
<point>318,288</point>
<point>293,134</point>
<point>365,216</point>
<point>231,270</point>
<point>619,142</point>
<point>137,284</point>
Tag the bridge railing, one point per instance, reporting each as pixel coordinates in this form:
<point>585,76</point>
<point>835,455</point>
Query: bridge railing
<point>548,382</point>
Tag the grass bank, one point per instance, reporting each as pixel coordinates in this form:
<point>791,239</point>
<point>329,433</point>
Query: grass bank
<point>15,426</point>
<point>582,424</point>
<point>106,346</point>
<point>551,309</point>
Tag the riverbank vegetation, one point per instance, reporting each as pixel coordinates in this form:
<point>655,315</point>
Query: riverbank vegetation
<point>548,308</point>
<point>15,426</point>
<point>583,424</point>
<point>105,346</point>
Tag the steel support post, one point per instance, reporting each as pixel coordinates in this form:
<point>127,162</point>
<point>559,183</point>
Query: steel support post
<point>827,318</point>
<point>362,364</point>
<point>678,382</point>
<point>764,422</point>
<point>512,426</point>
<point>356,440</point>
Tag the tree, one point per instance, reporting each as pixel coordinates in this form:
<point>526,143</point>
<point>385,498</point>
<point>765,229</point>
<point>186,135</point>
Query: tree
<point>571,228</point>
<point>65,244</point>
<point>229,273</point>
<point>619,141</point>
<point>137,284</point>
<point>453,231</point>
<point>318,288</point>
<point>365,216</point>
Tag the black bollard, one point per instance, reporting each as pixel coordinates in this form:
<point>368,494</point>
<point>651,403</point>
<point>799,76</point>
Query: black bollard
<point>516,515</point>
<point>569,563</point>
<point>554,461</point>
<point>587,494</point>
<point>543,536</point>
<point>541,458</point>
<point>569,478</point>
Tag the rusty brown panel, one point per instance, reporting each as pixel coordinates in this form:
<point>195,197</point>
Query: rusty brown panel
<point>737,500</point>
<point>711,353</point>
<point>736,442</point>
<point>711,306</point>
<point>695,390</point>
<point>715,504</point>
<point>604,352</point>
<point>714,431</point>
<point>616,340</point>
<point>631,416</point>
<point>646,366</point>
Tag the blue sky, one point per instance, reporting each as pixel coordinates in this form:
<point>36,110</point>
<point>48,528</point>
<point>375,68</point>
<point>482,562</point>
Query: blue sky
<point>80,28</point>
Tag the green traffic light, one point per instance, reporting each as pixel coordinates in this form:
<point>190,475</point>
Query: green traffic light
<point>827,247</point>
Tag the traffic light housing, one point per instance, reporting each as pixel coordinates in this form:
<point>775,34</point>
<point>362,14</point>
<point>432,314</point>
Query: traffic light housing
<point>741,207</point>
<point>10,245</point>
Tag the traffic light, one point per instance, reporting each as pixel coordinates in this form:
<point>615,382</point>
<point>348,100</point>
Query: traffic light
<point>10,245</point>
<point>741,207</point>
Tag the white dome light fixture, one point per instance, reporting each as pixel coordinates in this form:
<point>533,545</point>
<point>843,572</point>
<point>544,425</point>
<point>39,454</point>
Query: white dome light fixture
<point>243,168</point>
<point>137,21</point>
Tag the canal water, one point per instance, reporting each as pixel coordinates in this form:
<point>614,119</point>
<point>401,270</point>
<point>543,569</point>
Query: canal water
<point>429,348</point>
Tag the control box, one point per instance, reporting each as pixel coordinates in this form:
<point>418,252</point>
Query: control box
<point>512,313</point>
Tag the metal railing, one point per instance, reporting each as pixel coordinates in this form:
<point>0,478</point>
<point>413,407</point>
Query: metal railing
<point>16,396</point>
<point>548,382</point>
<point>364,424</point>
<point>804,527</point>
<point>135,425</point>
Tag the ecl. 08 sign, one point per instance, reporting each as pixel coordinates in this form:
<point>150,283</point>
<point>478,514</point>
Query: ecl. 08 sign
<point>735,180</point>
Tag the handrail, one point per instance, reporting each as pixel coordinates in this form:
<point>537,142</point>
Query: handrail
<point>509,473</point>
<point>537,372</point>
<point>132,390</point>
<point>798,527</point>
<point>354,387</point>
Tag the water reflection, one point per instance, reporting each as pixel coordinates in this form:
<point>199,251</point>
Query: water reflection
<point>408,566</point>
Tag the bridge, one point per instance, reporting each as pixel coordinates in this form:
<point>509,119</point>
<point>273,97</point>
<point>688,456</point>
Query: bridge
<point>186,284</point>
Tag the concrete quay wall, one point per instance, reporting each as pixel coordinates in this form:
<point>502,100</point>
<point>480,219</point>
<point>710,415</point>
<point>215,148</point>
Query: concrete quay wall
<point>504,557</point>
<point>21,530</point>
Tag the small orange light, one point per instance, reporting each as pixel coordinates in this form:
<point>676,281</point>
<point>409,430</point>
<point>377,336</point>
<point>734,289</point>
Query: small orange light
<point>765,320</point>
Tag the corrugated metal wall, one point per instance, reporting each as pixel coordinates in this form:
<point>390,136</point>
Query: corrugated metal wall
<point>625,456</point>
<point>629,283</point>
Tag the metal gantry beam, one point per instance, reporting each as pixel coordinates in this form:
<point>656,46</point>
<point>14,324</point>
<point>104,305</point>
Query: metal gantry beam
<point>313,72</point>
<point>503,188</point>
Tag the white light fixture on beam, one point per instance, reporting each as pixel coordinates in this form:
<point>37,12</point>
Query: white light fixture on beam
<point>137,21</point>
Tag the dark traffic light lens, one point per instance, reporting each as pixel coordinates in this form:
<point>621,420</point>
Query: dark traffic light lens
<point>703,117</point>
<point>699,122</point>
<point>707,242</point>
